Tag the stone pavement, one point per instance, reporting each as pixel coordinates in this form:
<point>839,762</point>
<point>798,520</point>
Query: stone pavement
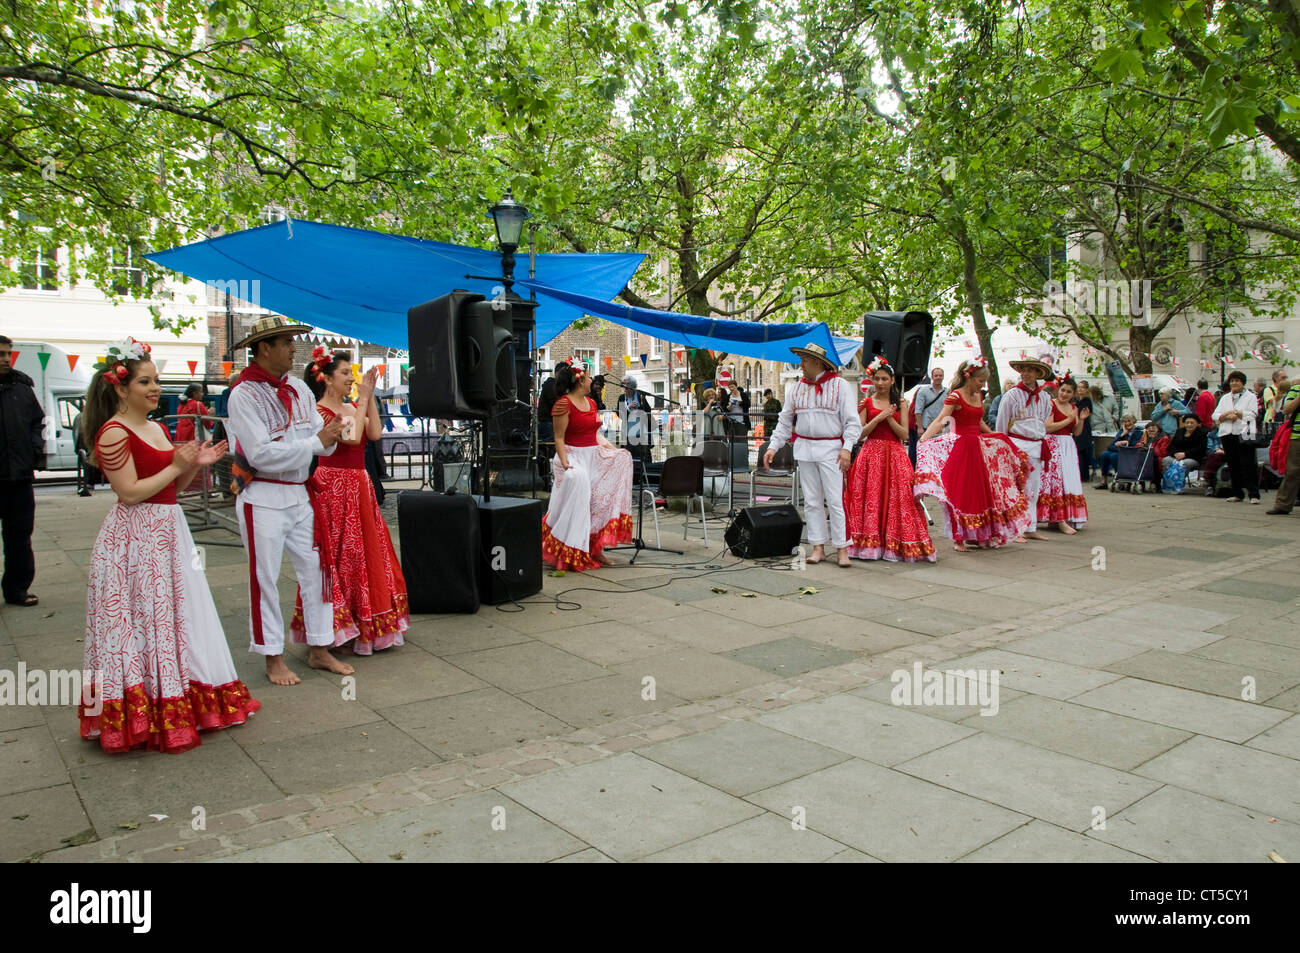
<point>662,714</point>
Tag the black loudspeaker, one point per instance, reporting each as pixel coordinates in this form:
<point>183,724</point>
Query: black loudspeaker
<point>457,343</point>
<point>758,532</point>
<point>903,338</point>
<point>510,560</point>
<point>440,551</point>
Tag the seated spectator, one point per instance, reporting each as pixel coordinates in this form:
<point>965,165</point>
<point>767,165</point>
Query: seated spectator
<point>1128,436</point>
<point>1168,412</point>
<point>1186,451</point>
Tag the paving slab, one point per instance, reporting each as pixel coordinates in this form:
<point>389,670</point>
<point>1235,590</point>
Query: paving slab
<point>1178,826</point>
<point>336,758</point>
<point>1081,732</point>
<point>39,820</point>
<point>1073,646</point>
<point>883,734</point>
<point>695,675</point>
<point>526,667</point>
<point>1235,773</point>
<point>1283,738</point>
<point>882,691</point>
<point>789,656</point>
<point>889,815</point>
<point>218,776</point>
<point>587,856</point>
<point>321,848</point>
<point>476,828</point>
<point>609,643</point>
<point>709,632</point>
<point>766,839</point>
<point>29,760</point>
<point>1172,613</point>
<point>1180,708</point>
<point>1207,675</point>
<point>1039,842</point>
<point>451,634</point>
<point>473,723</point>
<point>743,757</point>
<point>858,636</point>
<point>766,611</point>
<point>599,701</point>
<point>1288,700</point>
<point>629,807</point>
<point>1250,653</point>
<point>1028,673</point>
<point>1251,589</point>
<point>1029,780</point>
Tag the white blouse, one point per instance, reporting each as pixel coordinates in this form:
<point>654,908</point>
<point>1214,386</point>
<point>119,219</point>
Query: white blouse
<point>1247,404</point>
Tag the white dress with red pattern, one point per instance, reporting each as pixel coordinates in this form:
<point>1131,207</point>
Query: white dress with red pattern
<point>591,503</point>
<point>154,644</point>
<point>1060,498</point>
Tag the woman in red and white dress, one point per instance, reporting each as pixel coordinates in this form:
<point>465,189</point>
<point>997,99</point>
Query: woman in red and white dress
<point>368,589</point>
<point>884,518</point>
<point>591,501</point>
<point>1060,499</point>
<point>979,476</point>
<point>154,643</point>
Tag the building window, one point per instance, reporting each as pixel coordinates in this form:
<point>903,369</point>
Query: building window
<point>656,349</point>
<point>128,273</point>
<point>40,272</point>
<point>589,356</point>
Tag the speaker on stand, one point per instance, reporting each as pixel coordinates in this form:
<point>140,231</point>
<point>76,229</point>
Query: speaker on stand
<point>903,338</point>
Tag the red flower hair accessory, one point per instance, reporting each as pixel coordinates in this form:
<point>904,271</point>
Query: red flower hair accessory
<point>878,363</point>
<point>319,358</point>
<point>578,367</point>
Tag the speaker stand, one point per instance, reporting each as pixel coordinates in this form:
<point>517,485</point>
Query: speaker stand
<point>638,542</point>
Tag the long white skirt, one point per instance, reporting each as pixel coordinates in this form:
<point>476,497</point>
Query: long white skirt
<point>1060,498</point>
<point>590,508</point>
<point>154,641</point>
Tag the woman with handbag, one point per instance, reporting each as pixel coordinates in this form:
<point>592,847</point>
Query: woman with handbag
<point>1236,415</point>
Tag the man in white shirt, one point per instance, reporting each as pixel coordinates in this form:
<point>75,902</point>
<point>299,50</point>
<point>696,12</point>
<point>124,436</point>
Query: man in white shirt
<point>1023,415</point>
<point>275,426</point>
<point>828,427</point>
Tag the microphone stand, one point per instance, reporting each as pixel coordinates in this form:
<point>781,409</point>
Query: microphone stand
<point>638,542</point>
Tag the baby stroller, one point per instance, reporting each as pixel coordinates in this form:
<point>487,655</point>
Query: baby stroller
<point>1135,467</point>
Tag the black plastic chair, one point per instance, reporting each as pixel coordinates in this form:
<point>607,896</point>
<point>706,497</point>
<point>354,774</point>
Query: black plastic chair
<point>717,463</point>
<point>684,476</point>
<point>783,467</point>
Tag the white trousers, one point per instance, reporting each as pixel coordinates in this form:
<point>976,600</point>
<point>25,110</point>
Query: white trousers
<point>267,532</point>
<point>1034,485</point>
<point>822,483</point>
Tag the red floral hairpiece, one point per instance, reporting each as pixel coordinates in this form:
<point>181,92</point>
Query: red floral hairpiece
<point>578,367</point>
<point>878,363</point>
<point>319,357</point>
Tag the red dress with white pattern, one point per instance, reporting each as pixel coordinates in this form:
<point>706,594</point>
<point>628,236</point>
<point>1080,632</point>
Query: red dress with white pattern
<point>883,516</point>
<point>369,590</point>
<point>591,503</point>
<point>154,648</point>
<point>978,477</point>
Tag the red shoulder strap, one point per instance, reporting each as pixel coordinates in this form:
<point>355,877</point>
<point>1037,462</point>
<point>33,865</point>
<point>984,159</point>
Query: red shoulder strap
<point>325,412</point>
<point>115,457</point>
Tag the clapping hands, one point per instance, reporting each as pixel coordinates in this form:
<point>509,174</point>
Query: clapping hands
<point>194,454</point>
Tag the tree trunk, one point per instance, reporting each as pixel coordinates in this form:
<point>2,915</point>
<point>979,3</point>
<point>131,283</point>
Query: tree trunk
<point>975,301</point>
<point>1139,344</point>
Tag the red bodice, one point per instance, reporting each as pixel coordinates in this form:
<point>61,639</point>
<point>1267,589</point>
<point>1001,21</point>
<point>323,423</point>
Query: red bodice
<point>149,460</point>
<point>968,416</point>
<point>1057,414</point>
<point>881,430</point>
<point>583,424</point>
<point>346,456</point>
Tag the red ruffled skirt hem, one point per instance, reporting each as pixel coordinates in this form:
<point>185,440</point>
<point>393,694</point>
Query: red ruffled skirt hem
<point>170,725</point>
<point>562,557</point>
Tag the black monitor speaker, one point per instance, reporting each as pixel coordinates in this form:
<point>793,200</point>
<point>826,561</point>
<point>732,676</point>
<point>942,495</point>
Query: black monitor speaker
<point>759,532</point>
<point>903,338</point>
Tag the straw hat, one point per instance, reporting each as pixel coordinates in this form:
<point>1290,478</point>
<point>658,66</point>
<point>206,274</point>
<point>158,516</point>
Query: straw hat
<point>814,350</point>
<point>272,326</point>
<point>1042,363</point>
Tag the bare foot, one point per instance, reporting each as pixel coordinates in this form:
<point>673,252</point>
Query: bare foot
<point>1066,528</point>
<point>1020,539</point>
<point>818,554</point>
<point>844,558</point>
<point>604,560</point>
<point>960,547</point>
<point>278,672</point>
<point>1036,535</point>
<point>320,657</point>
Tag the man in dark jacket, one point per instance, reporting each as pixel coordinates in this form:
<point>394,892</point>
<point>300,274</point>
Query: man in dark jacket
<point>22,450</point>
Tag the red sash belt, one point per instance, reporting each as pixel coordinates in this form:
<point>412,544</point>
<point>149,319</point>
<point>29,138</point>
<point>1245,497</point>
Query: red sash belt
<point>800,436</point>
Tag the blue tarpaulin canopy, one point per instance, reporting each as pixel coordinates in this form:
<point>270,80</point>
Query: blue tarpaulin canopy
<point>360,283</point>
<point>767,342</point>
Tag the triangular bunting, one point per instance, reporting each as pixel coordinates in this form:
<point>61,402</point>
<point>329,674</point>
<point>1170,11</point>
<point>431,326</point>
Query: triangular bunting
<point>194,367</point>
<point>609,363</point>
<point>44,358</point>
<point>13,357</point>
<point>227,367</point>
<point>160,364</point>
<point>644,358</point>
<point>627,360</point>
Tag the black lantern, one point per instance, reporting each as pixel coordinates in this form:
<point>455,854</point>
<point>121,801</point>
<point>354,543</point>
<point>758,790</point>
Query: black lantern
<point>509,217</point>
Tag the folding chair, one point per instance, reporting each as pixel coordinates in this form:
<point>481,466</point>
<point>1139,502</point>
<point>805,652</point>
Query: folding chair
<point>783,466</point>
<point>684,476</point>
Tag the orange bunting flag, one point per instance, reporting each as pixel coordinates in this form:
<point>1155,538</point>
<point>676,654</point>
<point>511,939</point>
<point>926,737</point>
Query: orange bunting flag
<point>227,367</point>
<point>609,363</point>
<point>383,368</point>
<point>194,367</point>
<point>13,357</point>
<point>72,362</point>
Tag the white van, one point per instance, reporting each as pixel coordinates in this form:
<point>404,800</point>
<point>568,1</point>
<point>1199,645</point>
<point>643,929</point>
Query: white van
<point>61,391</point>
